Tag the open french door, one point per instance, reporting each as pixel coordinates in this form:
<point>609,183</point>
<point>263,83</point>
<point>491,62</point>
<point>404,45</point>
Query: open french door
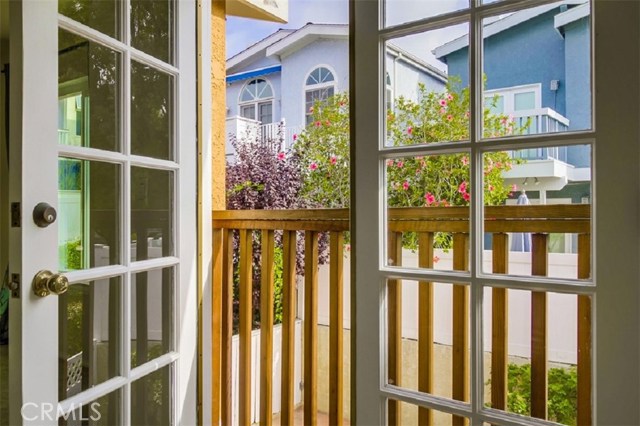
<point>604,295</point>
<point>103,139</point>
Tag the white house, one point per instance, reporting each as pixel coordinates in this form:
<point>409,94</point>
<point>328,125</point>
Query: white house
<point>278,78</point>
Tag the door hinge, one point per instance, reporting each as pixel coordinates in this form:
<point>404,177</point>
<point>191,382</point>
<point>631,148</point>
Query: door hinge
<point>16,215</point>
<point>14,286</point>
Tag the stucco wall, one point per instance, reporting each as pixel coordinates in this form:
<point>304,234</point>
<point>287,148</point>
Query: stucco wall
<point>218,104</point>
<point>532,52</point>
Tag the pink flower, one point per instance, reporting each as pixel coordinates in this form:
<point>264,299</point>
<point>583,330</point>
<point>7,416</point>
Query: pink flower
<point>444,203</point>
<point>281,156</point>
<point>491,188</point>
<point>465,161</point>
<point>389,162</point>
<point>436,259</point>
<point>347,247</point>
<point>295,136</point>
<point>514,187</point>
<point>333,159</point>
<point>342,103</point>
<point>443,103</point>
<point>313,166</point>
<point>450,117</point>
<point>310,109</point>
<point>410,130</point>
<point>466,196</point>
<point>449,96</point>
<point>399,164</point>
<point>442,110</point>
<point>405,185</point>
<point>318,124</point>
<point>429,198</point>
<point>328,123</point>
<point>463,187</point>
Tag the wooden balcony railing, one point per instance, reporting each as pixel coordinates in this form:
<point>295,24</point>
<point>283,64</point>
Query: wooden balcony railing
<point>540,221</point>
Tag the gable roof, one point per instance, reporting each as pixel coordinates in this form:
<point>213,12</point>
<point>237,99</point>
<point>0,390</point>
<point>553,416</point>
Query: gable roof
<point>259,47</point>
<point>286,41</point>
<point>500,25</point>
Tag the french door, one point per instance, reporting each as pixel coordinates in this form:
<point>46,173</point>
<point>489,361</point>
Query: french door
<point>459,144</point>
<point>103,130</point>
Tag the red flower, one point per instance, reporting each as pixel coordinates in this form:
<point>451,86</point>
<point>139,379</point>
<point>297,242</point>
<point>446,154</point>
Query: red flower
<point>333,159</point>
<point>429,198</point>
<point>410,130</point>
<point>318,124</point>
<point>281,156</point>
<point>405,185</point>
<point>466,196</point>
<point>295,136</point>
<point>463,187</point>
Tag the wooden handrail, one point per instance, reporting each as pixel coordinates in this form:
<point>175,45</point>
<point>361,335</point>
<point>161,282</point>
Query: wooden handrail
<point>426,221</point>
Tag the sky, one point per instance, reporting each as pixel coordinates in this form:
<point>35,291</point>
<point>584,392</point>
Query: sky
<point>242,32</point>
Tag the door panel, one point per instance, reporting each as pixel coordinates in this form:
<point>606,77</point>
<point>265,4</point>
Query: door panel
<point>95,134</point>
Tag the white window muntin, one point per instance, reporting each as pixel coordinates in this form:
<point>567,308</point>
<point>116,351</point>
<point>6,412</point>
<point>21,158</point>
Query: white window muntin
<point>127,268</point>
<point>322,89</point>
<point>372,200</point>
<point>257,98</point>
<point>509,95</point>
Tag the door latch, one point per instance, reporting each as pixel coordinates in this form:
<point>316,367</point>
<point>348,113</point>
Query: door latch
<point>16,215</point>
<point>14,286</point>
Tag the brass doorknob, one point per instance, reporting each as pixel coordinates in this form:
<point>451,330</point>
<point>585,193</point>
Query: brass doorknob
<point>46,282</point>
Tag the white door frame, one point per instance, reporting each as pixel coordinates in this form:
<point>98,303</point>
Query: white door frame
<point>616,227</point>
<point>34,177</point>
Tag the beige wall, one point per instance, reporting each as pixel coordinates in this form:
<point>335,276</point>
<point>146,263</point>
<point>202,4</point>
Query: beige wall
<point>218,101</point>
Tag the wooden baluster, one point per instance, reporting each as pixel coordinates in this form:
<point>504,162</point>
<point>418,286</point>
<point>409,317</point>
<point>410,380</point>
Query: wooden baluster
<point>227,328</point>
<point>216,325</point>
<point>394,327</point>
<point>336,303</point>
<point>246,320</point>
<point>288,325</point>
<point>499,325</point>
<point>539,329</point>
<point>460,370</point>
<point>310,328</point>
<point>266,328</point>
<point>425,326</point>
<point>584,335</point>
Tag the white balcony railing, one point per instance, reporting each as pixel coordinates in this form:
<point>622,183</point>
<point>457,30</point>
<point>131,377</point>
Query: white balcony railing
<point>537,121</point>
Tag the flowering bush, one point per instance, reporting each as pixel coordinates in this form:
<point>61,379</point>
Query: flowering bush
<point>435,180</point>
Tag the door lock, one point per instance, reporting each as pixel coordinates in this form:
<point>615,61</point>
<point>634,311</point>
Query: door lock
<point>46,283</point>
<point>44,215</point>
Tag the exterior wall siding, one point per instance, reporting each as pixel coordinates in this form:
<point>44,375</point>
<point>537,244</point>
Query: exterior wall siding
<point>405,78</point>
<point>533,52</point>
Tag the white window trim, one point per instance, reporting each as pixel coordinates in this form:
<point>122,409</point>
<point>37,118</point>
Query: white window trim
<point>509,93</point>
<point>307,88</point>
<point>256,102</point>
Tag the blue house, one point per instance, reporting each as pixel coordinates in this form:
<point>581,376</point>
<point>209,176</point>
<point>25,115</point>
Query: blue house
<point>537,70</point>
<point>277,79</point>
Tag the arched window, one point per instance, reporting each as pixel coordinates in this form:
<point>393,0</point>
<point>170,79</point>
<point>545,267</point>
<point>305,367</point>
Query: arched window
<point>320,86</point>
<point>256,101</point>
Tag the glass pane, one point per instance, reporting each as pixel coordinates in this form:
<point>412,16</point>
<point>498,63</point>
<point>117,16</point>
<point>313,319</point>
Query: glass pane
<point>495,104</point>
<point>152,27</point>
<point>538,197</point>
<point>151,315</point>
<point>151,112</point>
<point>402,11</point>
<point>106,410</point>
<point>152,398</point>
<point>88,214</point>
<point>410,414</point>
<point>431,100</point>
<point>248,111</point>
<point>515,337</point>
<point>524,49</point>
<point>101,15</point>
<point>266,113</point>
<point>88,93</point>
<point>522,101</point>
<point>428,209</point>
<point>151,213</point>
<point>89,335</point>
<point>424,331</point>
